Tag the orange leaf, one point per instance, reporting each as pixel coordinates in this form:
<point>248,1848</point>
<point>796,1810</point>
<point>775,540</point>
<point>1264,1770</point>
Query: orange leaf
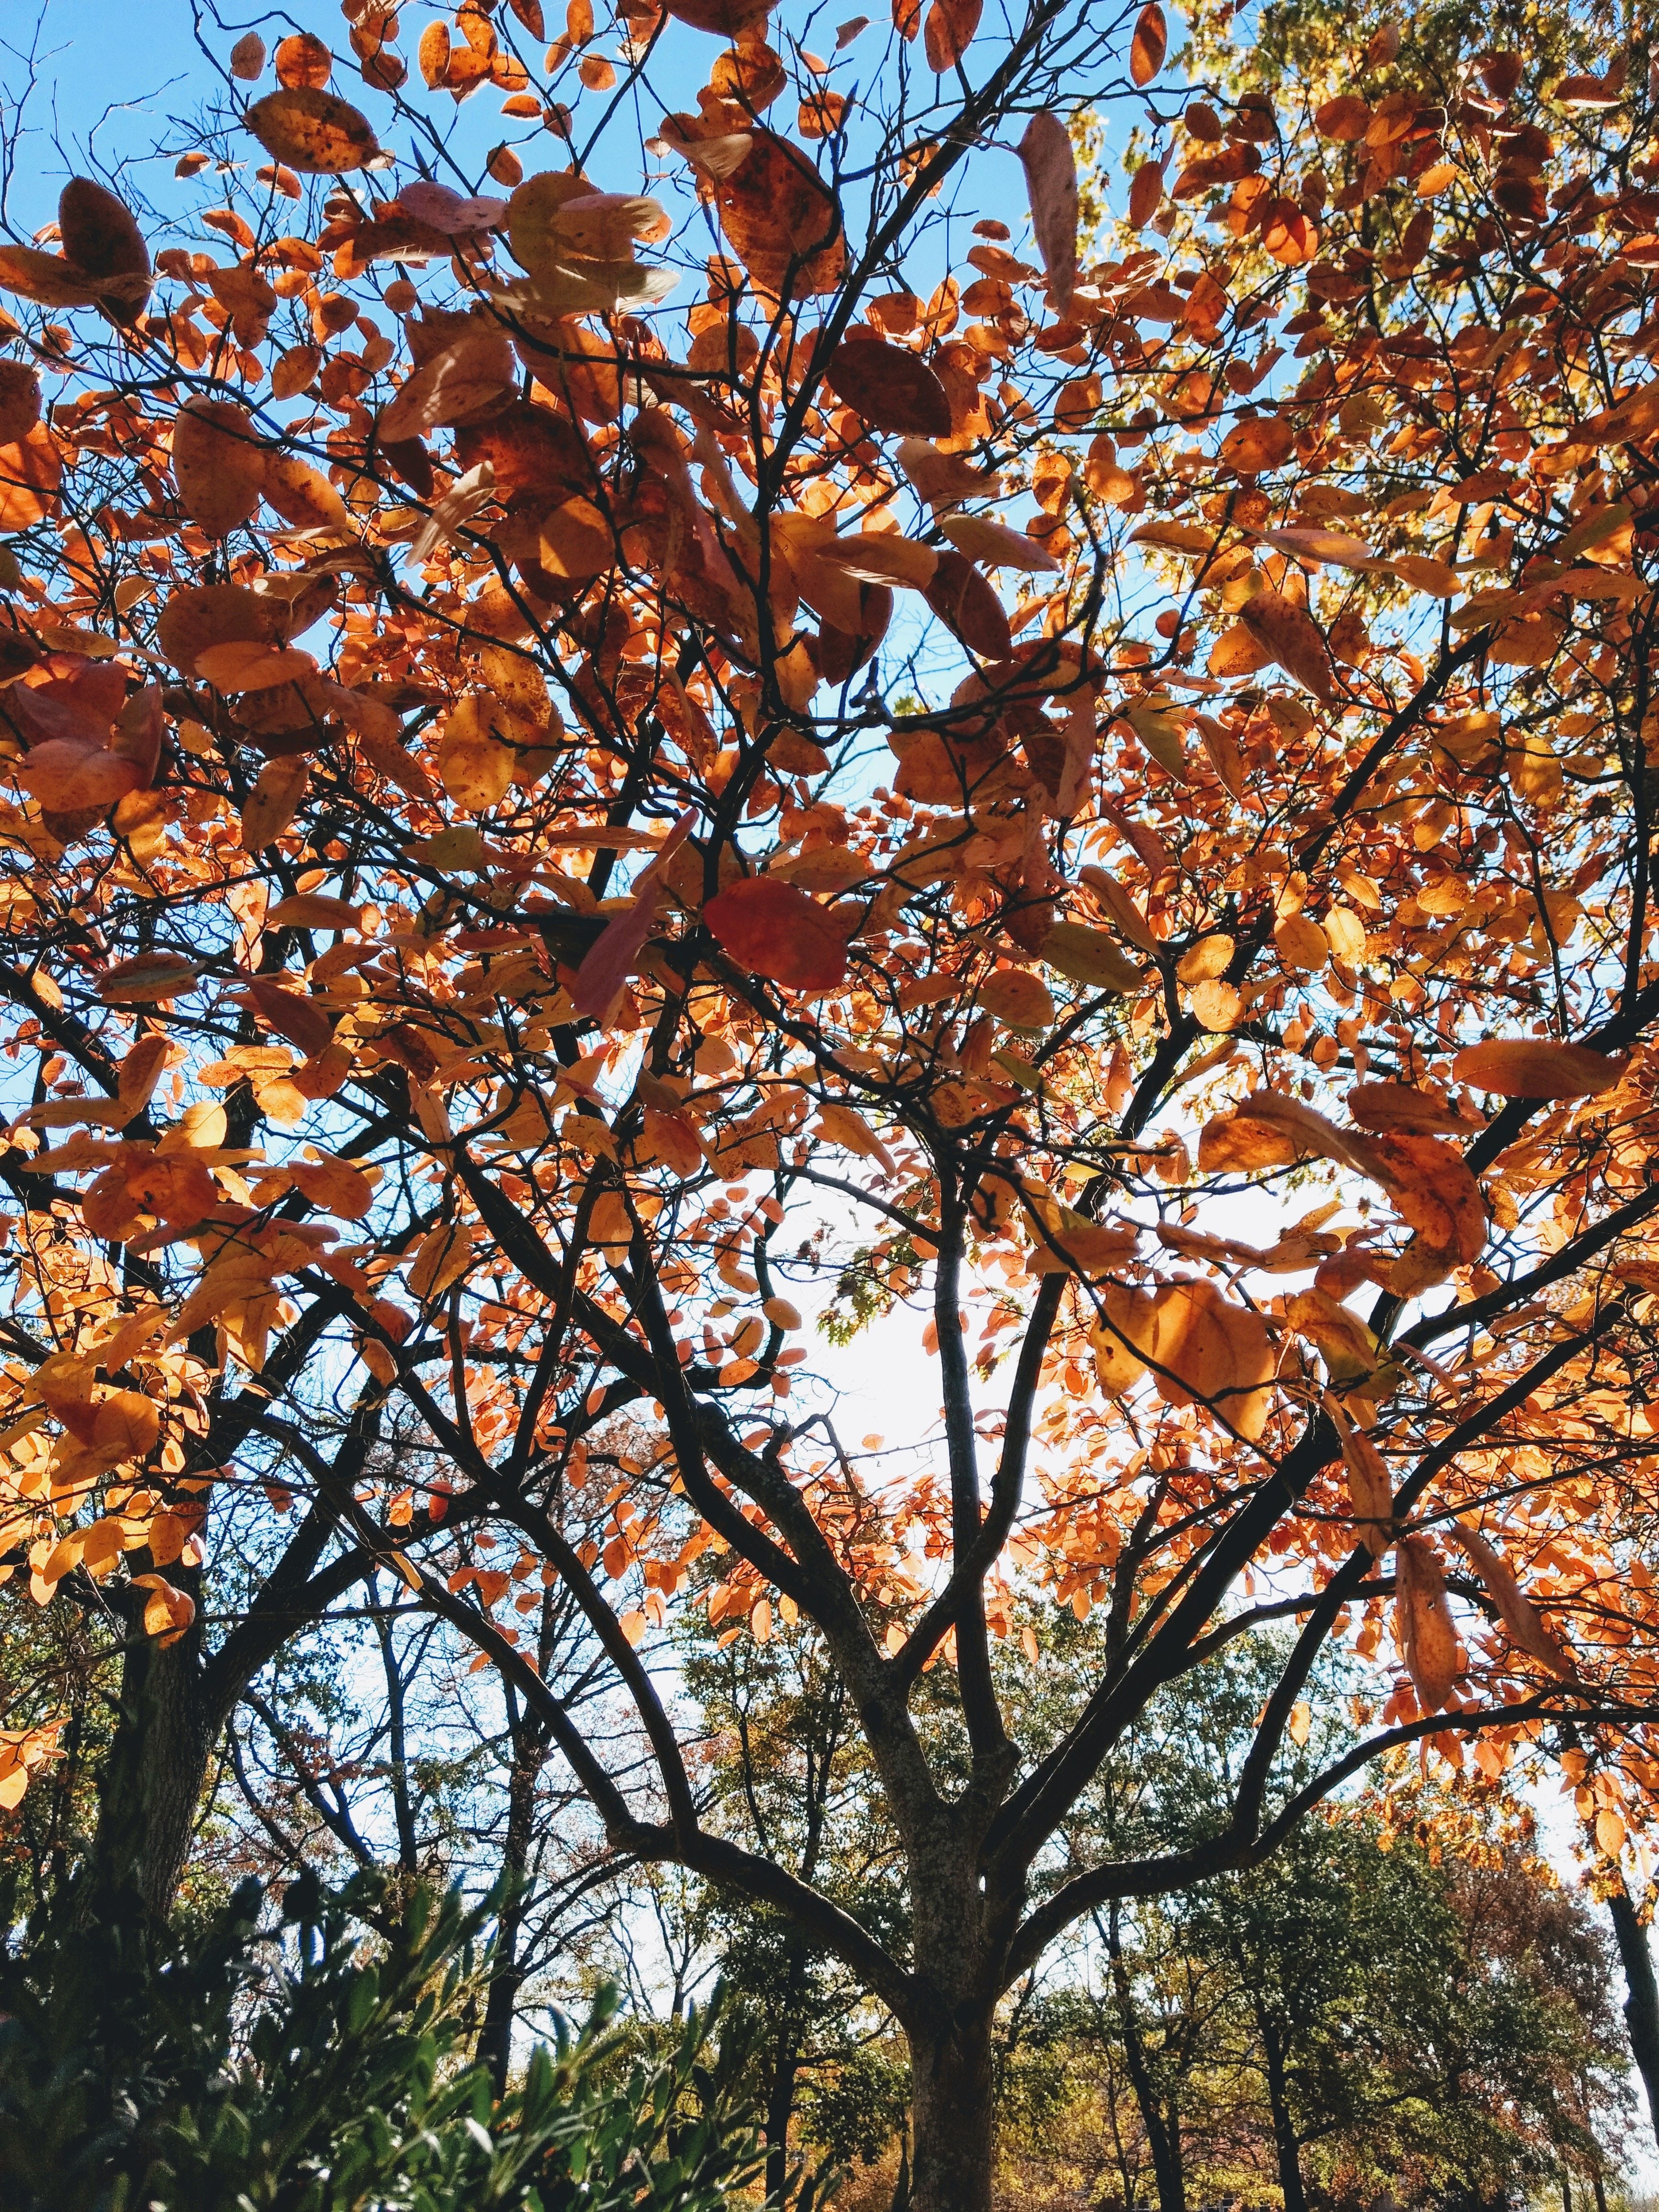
<point>1148,45</point>
<point>1265,441</point>
<point>1519,1614</point>
<point>948,31</point>
<point>218,464</point>
<point>1289,635</point>
<point>1428,1639</point>
<point>1537,1067</point>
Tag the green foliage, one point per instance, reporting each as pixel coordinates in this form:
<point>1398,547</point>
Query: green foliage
<point>139,2069</point>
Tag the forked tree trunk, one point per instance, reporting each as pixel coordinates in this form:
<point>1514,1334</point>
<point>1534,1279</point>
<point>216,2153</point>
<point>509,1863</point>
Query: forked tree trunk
<point>951,2117</point>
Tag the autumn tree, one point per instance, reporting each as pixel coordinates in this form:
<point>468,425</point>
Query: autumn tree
<point>540,853</point>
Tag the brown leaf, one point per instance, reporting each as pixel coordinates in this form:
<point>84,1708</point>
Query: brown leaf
<point>273,802</point>
<point>783,221</point>
<point>889,386</point>
<point>1431,1186</point>
<point>312,132</point>
<point>465,379</point>
<point>68,778</point>
<point>948,31</point>
<point>218,464</point>
<point>1212,1352</point>
<point>1148,45</point>
<point>247,58</point>
<point>1238,652</point>
<point>1235,1144</point>
<point>1050,166</point>
<point>1288,634</point>
<point>19,401</point>
<point>577,541</point>
<point>1428,1639</point>
<point>1265,441</point>
<point>314,910</point>
<point>44,278</point>
<point>1401,1106</point>
<point>882,556</point>
<point>303,59</point>
<point>994,545</point>
<point>1065,1242</point>
<point>1371,1493</point>
<point>722,19</point>
<point>1146,194</point>
<point>31,471</point>
<point>303,1021</point>
<point>101,238</point>
<point>246,665</point>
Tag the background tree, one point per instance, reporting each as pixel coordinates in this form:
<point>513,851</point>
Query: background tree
<point>540,851</point>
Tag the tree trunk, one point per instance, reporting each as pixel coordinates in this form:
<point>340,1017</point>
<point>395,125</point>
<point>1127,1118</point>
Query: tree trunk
<point>507,1971</point>
<point>1162,2127</point>
<point>779,2110</point>
<point>156,1770</point>
<point>1286,2143</point>
<point>786,2068</point>
<point>952,2115</point>
<point>1642,2002</point>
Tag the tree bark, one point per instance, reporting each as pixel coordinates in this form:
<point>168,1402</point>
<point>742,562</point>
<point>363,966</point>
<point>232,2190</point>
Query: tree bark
<point>1642,2000</point>
<point>951,2117</point>
<point>156,1769</point>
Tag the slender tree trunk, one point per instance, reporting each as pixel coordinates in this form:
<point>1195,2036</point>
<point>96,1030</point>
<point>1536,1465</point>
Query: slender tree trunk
<point>1162,2128</point>
<point>786,2069</point>
<point>951,2114</point>
<point>1286,2143</point>
<point>403,1804</point>
<point>1642,2000</point>
<point>779,2110</point>
<point>506,1969</point>
<point>155,1771</point>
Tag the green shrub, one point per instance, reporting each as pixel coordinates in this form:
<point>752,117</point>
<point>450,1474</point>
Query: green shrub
<point>144,2072</point>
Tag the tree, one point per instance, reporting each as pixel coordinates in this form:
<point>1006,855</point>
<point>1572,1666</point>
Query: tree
<point>449,723</point>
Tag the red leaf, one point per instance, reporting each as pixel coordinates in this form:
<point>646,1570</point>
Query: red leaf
<point>773,930</point>
<point>962,598</point>
<point>614,956</point>
<point>68,778</point>
<point>300,1020</point>
<point>891,388</point>
<point>1051,185</point>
